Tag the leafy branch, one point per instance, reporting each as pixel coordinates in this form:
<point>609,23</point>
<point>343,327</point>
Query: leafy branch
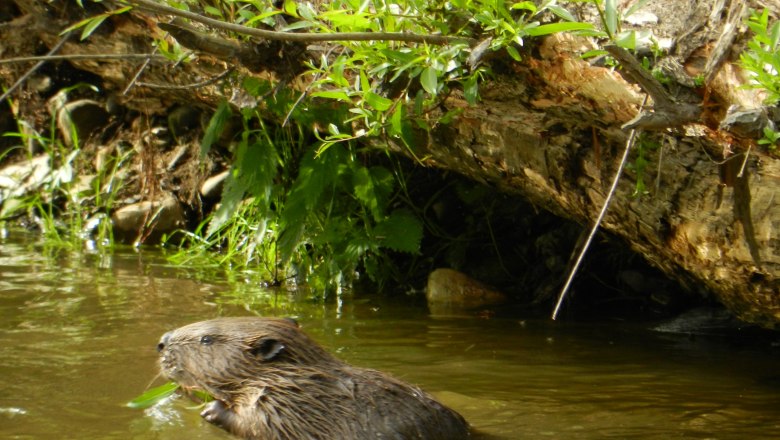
<point>152,6</point>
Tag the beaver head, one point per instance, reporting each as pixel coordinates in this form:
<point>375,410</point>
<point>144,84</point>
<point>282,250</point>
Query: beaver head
<point>221,355</point>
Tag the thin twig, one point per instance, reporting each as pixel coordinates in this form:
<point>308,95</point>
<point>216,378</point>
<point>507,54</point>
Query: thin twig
<point>150,5</point>
<point>139,72</point>
<point>32,70</point>
<point>660,163</point>
<point>744,162</point>
<point>308,87</point>
<point>196,85</point>
<point>597,223</point>
<point>81,56</point>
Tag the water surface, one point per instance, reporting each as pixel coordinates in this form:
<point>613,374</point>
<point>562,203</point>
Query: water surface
<point>78,332</point>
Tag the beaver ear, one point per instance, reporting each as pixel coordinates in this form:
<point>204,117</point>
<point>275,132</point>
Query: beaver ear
<point>292,321</point>
<point>267,349</point>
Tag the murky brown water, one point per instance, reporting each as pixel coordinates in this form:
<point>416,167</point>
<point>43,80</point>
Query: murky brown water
<point>78,334</point>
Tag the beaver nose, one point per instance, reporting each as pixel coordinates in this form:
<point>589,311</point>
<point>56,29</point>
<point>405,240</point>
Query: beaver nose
<point>163,342</point>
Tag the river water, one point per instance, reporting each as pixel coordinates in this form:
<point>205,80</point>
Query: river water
<point>78,333</point>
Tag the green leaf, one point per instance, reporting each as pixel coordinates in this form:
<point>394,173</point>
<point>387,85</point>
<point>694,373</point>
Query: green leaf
<point>259,164</point>
<point>254,171</point>
<point>291,8</point>
<point>332,94</point>
<point>264,17</point>
<point>153,396</point>
<point>92,23</point>
<point>471,89</point>
<point>400,57</point>
<point>348,20</point>
<point>373,187</point>
<point>429,80</point>
<point>306,11</point>
<point>378,102</point>
<point>365,86</point>
<point>419,102</point>
<point>402,231</point>
<point>384,183</point>
<point>635,7</point>
<point>594,53</point>
<point>611,17</point>
<point>92,26</point>
<point>289,239</point>
<point>211,10</point>
<point>552,28</point>
<point>364,191</point>
<point>561,12</point>
<point>316,174</point>
<point>626,40</point>
<point>214,129</point>
<point>396,121</point>
<point>355,249</point>
<point>298,25</point>
<point>774,36</point>
<point>513,53</point>
<point>256,86</point>
<point>232,195</point>
<point>528,6</point>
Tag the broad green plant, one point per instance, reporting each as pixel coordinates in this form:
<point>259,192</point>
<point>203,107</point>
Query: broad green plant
<point>298,212</point>
<point>308,200</point>
<point>762,59</point>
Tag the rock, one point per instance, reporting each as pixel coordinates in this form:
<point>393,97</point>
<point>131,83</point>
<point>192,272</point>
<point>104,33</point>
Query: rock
<point>746,122</point>
<point>641,18</point>
<point>84,116</point>
<point>702,321</point>
<point>103,156</point>
<point>212,187</point>
<point>183,120</point>
<point>449,290</point>
<point>163,216</point>
<point>24,177</point>
<point>83,187</point>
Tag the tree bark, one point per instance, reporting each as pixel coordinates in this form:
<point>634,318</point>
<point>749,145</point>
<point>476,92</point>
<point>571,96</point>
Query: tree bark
<point>549,128</point>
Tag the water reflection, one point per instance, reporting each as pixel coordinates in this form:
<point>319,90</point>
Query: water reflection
<point>78,331</point>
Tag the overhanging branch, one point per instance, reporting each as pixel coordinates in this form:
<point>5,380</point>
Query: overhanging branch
<point>152,6</point>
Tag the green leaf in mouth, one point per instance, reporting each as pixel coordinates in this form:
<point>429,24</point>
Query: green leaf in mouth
<point>153,396</point>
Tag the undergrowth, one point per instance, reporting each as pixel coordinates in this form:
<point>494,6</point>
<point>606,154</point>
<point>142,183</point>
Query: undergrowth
<point>309,202</point>
<point>306,200</point>
<point>69,207</point>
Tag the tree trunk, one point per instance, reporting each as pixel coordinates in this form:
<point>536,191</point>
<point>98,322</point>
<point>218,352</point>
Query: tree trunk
<point>549,128</point>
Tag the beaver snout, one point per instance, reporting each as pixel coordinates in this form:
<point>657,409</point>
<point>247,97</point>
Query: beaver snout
<point>163,342</point>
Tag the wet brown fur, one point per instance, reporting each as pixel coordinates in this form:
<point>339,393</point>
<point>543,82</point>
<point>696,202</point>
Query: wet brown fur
<point>272,382</point>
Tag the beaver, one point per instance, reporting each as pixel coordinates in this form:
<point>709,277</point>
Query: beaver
<point>270,381</point>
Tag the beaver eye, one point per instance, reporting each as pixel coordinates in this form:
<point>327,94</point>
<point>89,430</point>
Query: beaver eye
<point>206,340</point>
